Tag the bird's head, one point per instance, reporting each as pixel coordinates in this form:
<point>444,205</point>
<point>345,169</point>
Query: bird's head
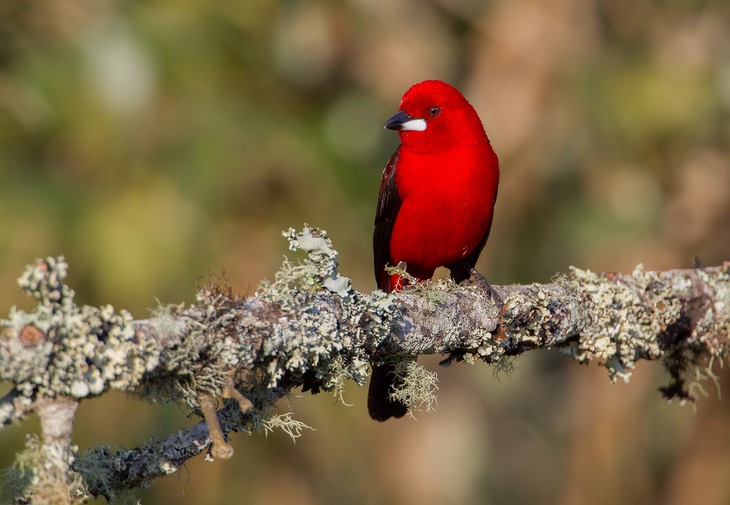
<point>435,116</point>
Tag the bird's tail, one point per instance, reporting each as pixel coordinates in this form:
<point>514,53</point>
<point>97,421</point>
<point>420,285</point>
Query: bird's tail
<point>380,404</point>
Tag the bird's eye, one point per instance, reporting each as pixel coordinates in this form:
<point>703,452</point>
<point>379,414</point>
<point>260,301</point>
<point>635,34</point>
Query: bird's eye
<point>434,111</point>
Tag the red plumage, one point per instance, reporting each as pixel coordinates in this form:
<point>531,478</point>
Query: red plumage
<point>436,201</point>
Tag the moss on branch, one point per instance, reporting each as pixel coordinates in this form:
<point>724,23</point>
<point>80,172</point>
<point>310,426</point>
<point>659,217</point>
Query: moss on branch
<point>309,328</point>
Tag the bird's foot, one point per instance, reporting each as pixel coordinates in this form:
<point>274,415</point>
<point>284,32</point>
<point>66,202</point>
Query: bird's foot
<point>481,281</point>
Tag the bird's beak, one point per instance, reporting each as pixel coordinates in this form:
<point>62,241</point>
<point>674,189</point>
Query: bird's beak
<point>402,121</point>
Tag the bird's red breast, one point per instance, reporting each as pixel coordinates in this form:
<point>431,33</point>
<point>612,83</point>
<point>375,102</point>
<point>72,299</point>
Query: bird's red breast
<point>445,211</point>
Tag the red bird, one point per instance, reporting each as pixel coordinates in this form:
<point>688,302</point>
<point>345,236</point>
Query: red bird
<point>435,204</point>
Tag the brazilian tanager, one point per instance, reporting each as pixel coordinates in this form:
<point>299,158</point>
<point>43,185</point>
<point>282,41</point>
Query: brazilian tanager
<point>435,204</point>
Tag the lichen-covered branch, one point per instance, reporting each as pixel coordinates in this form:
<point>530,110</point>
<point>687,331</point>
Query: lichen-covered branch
<point>309,328</point>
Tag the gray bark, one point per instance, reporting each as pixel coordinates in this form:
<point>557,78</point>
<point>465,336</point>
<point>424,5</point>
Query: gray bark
<point>310,329</point>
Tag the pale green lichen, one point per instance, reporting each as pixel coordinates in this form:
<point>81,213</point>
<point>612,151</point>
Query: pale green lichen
<point>97,475</point>
<point>697,376</point>
<point>315,347</point>
<point>106,470</point>
<point>714,328</point>
<point>526,330</point>
<point>416,387</point>
<point>286,423</point>
<point>706,328</point>
<point>40,477</point>
<point>316,340</point>
<point>167,320</point>
<point>340,376</point>
<point>63,349</point>
<point>624,327</point>
<point>201,361</point>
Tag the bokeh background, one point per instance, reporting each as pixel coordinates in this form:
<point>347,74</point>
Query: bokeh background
<point>154,141</point>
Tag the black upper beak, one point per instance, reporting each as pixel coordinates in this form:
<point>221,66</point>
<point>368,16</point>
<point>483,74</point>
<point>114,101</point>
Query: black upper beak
<point>397,120</point>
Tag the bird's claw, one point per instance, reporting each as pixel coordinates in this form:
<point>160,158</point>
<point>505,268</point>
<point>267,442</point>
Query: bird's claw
<point>481,281</point>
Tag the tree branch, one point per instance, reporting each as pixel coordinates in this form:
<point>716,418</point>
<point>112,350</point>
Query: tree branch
<point>310,329</point>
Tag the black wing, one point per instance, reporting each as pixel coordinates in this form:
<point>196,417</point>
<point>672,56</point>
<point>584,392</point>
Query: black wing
<point>380,405</point>
<point>460,271</point>
<point>387,211</point>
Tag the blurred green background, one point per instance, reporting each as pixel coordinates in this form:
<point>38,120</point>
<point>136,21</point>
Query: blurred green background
<point>153,141</point>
